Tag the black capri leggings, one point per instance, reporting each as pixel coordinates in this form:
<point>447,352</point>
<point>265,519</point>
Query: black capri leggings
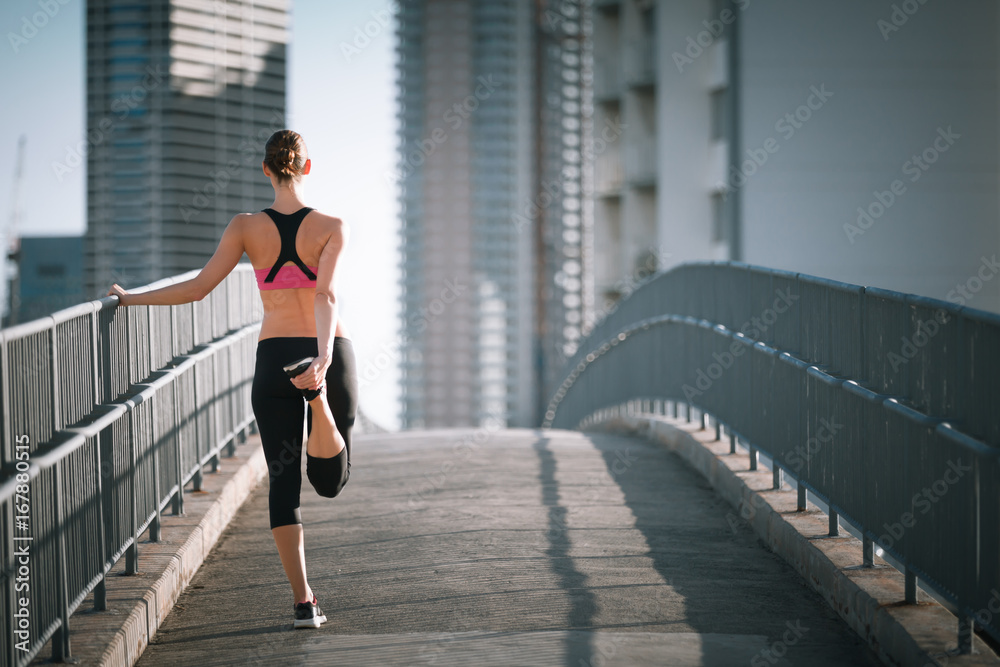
<point>280,410</point>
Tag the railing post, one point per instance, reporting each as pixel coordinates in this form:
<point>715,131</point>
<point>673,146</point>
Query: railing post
<point>104,369</point>
<point>231,448</point>
<point>7,434</point>
<point>7,563</point>
<point>149,339</point>
<point>867,552</point>
<point>154,526</point>
<point>911,585</point>
<point>753,458</point>
<point>101,590</point>
<point>178,503</point>
<point>718,429</point>
<point>732,442</point>
<point>132,552</point>
<point>60,642</point>
<point>198,435</point>
<point>95,355</point>
<point>965,628</point>
<point>129,356</point>
<point>54,384</point>
<point>194,325</point>
<point>775,476</point>
<point>173,331</point>
<point>801,499</point>
<point>834,524</point>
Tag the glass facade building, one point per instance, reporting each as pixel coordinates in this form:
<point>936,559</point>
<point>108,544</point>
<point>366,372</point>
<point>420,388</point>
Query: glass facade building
<point>490,171</point>
<point>181,96</point>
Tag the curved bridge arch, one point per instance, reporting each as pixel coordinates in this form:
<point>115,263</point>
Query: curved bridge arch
<point>880,403</point>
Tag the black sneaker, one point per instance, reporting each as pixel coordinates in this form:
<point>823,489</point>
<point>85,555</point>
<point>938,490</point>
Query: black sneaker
<point>299,367</point>
<point>308,614</point>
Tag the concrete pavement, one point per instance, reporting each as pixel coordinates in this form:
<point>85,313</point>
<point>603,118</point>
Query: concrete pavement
<point>511,547</point>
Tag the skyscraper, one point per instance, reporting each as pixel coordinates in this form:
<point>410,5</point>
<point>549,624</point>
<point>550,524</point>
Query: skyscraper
<point>474,147</point>
<point>181,96</point>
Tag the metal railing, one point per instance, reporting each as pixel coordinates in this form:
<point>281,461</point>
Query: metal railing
<point>881,404</point>
<point>107,414</point>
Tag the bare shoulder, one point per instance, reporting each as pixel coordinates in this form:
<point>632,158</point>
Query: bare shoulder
<point>336,227</point>
<point>241,220</point>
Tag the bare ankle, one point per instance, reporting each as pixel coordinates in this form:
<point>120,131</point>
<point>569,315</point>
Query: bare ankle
<point>319,404</point>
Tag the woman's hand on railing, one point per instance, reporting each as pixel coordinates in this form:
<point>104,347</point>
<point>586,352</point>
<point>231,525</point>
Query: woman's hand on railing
<point>118,291</point>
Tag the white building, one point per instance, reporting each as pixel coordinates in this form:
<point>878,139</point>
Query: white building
<point>853,140</point>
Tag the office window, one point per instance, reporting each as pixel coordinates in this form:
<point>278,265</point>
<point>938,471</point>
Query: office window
<point>718,217</point>
<point>719,98</point>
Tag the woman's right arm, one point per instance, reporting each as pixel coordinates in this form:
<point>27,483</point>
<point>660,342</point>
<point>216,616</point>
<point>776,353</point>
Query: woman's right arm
<point>325,306</point>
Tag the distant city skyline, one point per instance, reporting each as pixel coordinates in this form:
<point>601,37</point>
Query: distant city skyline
<point>341,99</point>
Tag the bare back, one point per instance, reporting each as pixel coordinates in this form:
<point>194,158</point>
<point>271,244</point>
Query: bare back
<point>289,312</point>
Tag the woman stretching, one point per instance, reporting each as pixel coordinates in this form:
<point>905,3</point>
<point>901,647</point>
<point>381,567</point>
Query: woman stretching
<point>304,350</point>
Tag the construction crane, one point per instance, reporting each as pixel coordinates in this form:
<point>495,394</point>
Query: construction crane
<point>11,247</point>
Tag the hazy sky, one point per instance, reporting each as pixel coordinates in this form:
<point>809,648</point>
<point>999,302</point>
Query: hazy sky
<point>342,104</point>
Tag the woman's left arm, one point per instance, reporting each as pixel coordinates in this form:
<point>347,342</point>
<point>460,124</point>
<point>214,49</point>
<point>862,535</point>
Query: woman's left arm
<point>226,256</point>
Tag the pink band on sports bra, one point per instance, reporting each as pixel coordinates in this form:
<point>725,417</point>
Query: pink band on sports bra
<point>288,277</point>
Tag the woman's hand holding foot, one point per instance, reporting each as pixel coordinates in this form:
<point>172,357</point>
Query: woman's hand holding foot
<point>314,376</point>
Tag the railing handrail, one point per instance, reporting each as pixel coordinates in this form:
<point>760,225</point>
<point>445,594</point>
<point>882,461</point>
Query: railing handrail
<point>122,408</point>
<point>608,320</point>
<point>772,389</point>
<point>624,313</point>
